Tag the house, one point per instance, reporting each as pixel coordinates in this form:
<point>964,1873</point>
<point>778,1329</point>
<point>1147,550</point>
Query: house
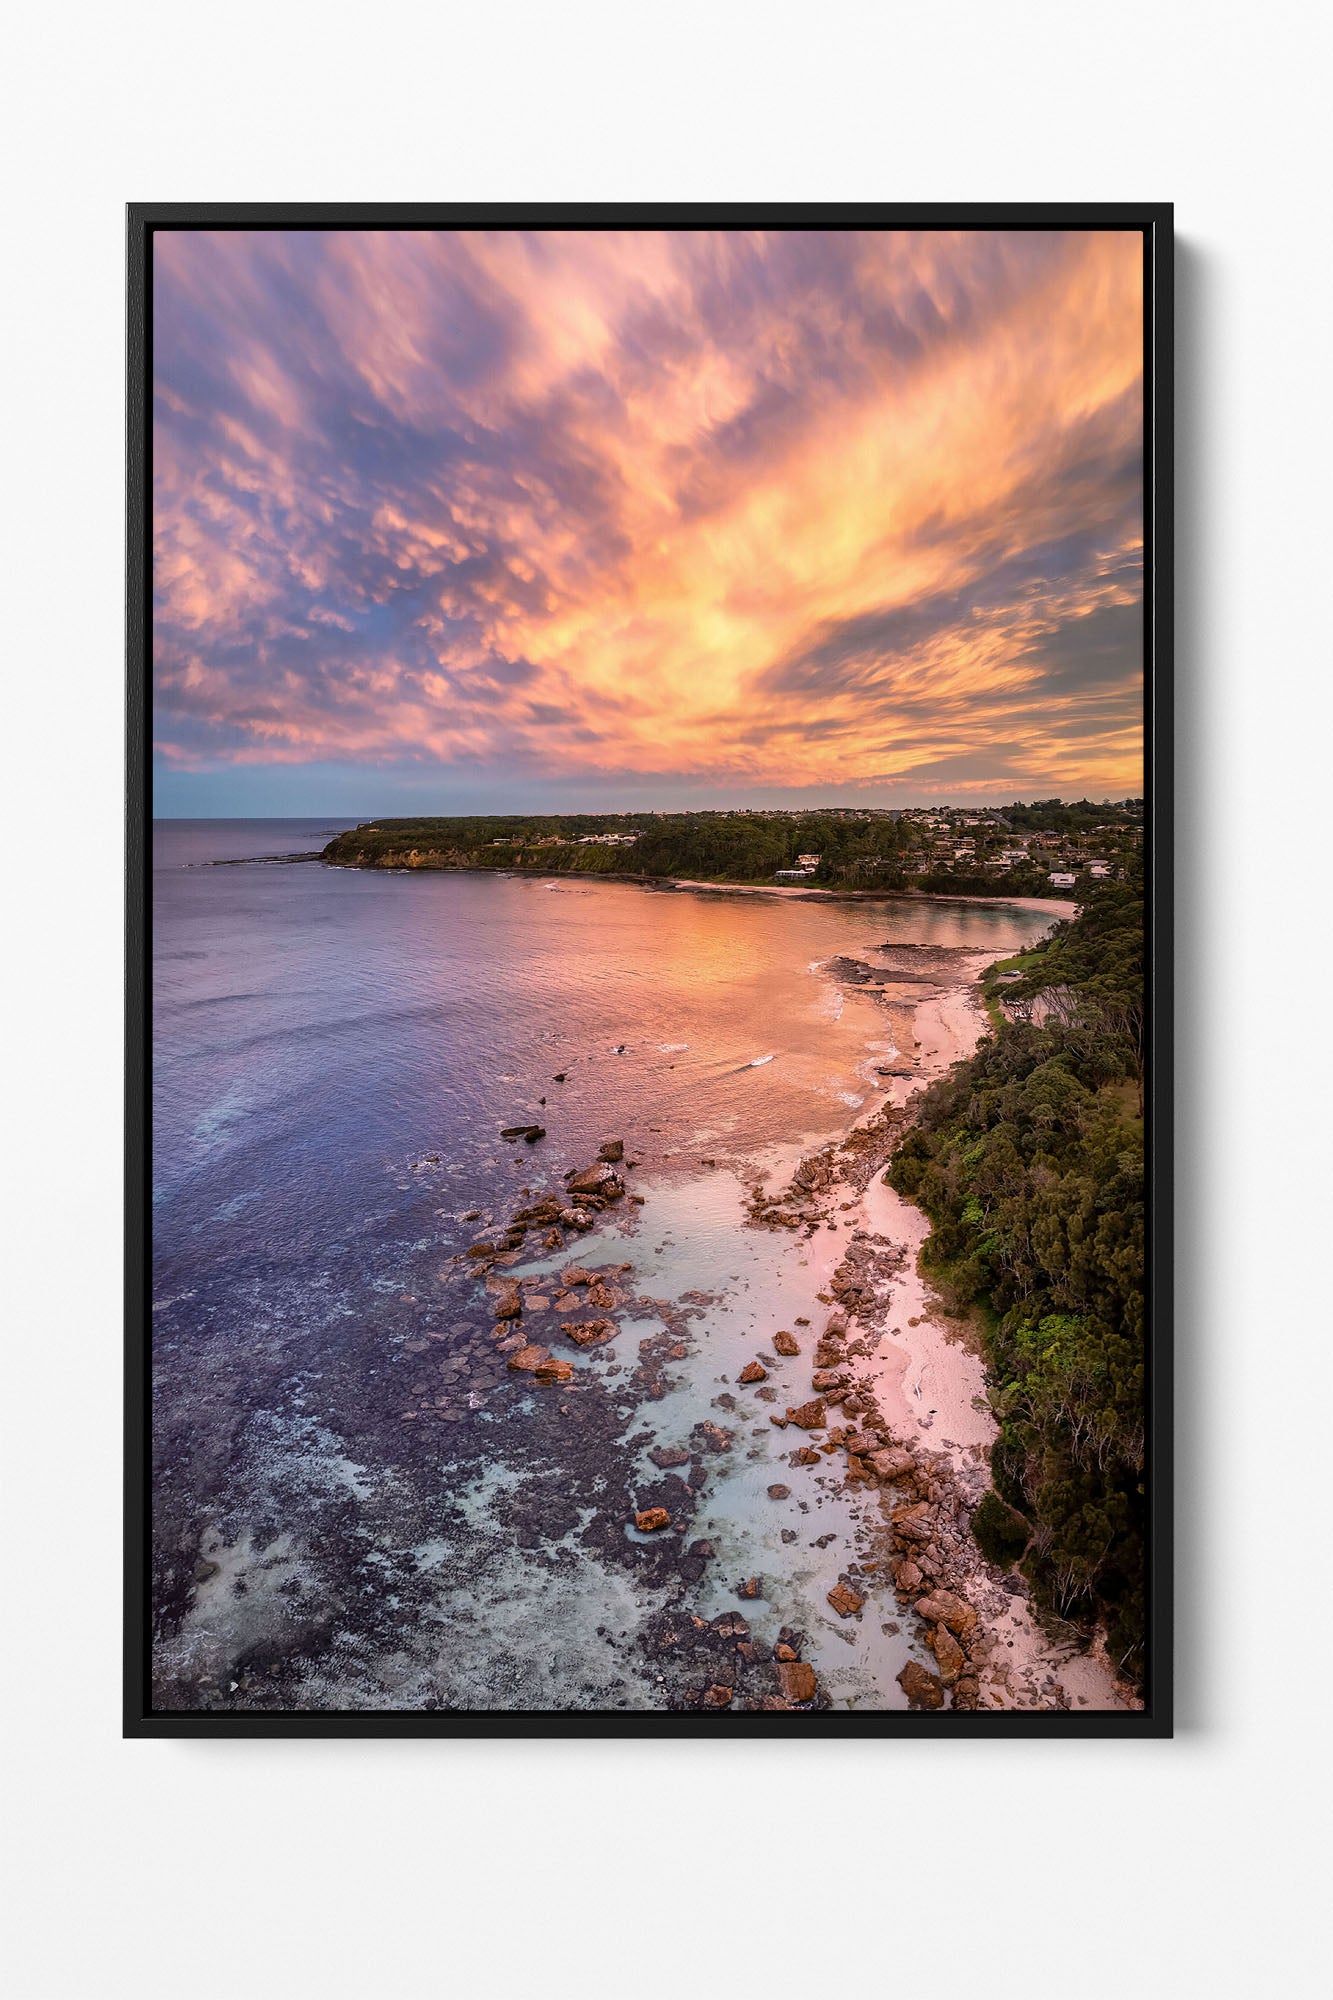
<point>1059,880</point>
<point>807,861</point>
<point>793,874</point>
<point>1099,870</point>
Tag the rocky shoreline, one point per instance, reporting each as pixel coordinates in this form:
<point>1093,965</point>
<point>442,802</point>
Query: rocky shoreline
<point>990,1651</point>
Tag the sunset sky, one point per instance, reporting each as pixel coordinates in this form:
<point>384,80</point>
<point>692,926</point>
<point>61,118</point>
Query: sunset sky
<point>452,522</point>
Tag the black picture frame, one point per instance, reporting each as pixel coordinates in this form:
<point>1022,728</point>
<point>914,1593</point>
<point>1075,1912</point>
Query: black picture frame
<point>1154,222</point>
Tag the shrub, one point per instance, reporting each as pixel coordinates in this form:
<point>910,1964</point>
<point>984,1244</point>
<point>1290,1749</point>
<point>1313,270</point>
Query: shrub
<point>1000,1533</point>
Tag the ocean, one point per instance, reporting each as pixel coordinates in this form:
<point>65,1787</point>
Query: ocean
<point>356,1504</point>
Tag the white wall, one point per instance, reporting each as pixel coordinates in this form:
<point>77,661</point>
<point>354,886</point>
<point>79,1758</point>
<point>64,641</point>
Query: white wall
<point>293,1870</point>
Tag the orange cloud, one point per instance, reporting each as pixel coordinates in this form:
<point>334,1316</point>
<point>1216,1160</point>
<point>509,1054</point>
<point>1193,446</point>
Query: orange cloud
<point>789,509</point>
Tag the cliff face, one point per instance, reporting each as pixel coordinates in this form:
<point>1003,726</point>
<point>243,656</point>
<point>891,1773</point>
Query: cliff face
<point>347,851</point>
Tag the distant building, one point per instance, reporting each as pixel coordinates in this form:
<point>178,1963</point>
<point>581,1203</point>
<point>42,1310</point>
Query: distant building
<point>807,861</point>
<point>1059,880</point>
<point>793,874</point>
<point>1099,870</point>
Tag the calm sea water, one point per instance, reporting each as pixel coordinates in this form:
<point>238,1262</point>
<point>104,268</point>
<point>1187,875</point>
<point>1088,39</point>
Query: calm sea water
<point>318,1034</point>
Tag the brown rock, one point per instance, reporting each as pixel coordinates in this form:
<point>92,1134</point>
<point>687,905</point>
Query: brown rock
<point>907,1576</point>
<point>943,1607</point>
<point>554,1370</point>
<point>589,1332</point>
<point>828,1378</point>
<point>527,1360</point>
<point>750,1586</point>
<point>845,1601</point>
<point>893,1463</point>
<point>948,1653</point>
<point>599,1179</point>
<point>861,1442</point>
<point>509,1305</point>
<point>782,1652</point>
<point>786,1343</point>
<point>665,1456</point>
<point>779,1493</point>
<point>807,1457</point>
<point>810,1416</point>
<point>922,1688</point>
<point>717,1697</point>
<point>612,1150</point>
<point>798,1680</point>
<point>753,1371</point>
<point>651,1520</point>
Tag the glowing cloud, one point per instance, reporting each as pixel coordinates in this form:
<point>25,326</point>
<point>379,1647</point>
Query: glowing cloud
<point>789,509</point>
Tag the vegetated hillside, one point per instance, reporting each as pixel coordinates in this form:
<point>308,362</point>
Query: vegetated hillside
<point>1028,1160</point>
<point>845,850</point>
<point>712,846</point>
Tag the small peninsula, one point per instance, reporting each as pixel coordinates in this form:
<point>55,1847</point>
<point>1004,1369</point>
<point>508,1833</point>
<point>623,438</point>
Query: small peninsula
<point>1046,848</point>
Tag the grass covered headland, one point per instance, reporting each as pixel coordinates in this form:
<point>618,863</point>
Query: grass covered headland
<point>1028,1159</point>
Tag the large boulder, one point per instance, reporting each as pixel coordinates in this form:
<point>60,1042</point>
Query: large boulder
<point>599,1179</point>
<point>798,1680</point>
<point>753,1371</point>
<point>611,1150</point>
<point>809,1416</point>
<point>944,1607</point>
<point>892,1463</point>
<point>845,1600</point>
<point>948,1653</point>
<point>922,1688</point>
<point>589,1332</point>
<point>509,1305</point>
<point>786,1343</point>
<point>527,1360</point>
<point>652,1520</point>
<point>553,1369</point>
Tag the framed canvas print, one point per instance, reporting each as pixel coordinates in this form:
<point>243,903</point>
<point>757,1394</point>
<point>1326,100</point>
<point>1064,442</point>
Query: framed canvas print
<point>649,970</point>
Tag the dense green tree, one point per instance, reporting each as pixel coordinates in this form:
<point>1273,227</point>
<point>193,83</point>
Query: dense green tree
<point>1029,1161</point>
